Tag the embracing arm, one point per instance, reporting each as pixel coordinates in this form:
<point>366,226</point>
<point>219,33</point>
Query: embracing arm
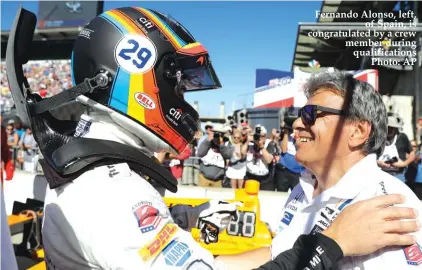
<point>360,229</point>
<point>307,250</point>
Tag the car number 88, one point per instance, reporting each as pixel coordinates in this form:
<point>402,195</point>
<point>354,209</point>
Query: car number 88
<point>243,226</point>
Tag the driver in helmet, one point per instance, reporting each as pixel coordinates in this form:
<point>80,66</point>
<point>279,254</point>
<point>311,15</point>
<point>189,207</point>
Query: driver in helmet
<point>119,220</point>
<point>112,216</point>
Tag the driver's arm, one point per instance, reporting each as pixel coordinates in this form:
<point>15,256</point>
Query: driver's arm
<point>312,251</point>
<point>309,252</point>
<point>345,237</point>
<point>185,216</point>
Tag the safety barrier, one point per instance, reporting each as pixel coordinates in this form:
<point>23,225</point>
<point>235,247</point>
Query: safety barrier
<point>191,171</point>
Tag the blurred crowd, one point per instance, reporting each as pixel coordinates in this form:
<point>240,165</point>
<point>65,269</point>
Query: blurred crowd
<point>53,75</point>
<point>228,156</point>
<point>223,156</point>
<point>22,145</point>
<point>46,78</point>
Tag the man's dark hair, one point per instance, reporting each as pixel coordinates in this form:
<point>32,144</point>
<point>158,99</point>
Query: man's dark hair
<point>362,101</point>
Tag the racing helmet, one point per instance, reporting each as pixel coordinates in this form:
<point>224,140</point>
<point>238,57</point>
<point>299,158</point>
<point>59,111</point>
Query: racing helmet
<point>146,60</point>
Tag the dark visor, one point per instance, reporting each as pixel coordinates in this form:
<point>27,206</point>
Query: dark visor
<point>199,78</point>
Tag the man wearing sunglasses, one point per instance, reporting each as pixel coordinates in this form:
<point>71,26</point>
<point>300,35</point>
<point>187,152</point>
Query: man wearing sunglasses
<point>339,135</point>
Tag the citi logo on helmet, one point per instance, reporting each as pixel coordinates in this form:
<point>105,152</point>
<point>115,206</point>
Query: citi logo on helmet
<point>148,24</point>
<point>145,101</point>
<point>176,113</point>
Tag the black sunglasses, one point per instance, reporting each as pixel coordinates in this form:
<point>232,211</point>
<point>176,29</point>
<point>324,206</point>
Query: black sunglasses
<point>310,113</point>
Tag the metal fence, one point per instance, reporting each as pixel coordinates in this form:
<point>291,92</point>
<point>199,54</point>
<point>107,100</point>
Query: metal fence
<point>190,174</point>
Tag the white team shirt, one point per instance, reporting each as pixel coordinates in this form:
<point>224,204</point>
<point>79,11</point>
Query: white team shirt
<point>111,218</point>
<point>304,215</point>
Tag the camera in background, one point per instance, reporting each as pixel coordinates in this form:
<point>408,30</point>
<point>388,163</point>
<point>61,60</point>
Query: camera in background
<point>257,134</point>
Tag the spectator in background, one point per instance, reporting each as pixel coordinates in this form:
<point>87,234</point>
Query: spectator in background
<point>414,172</point>
<point>12,135</point>
<point>43,90</point>
<point>276,138</point>
<point>260,151</point>
<point>228,134</point>
<point>27,140</point>
<point>419,132</point>
<point>213,152</point>
<point>236,170</point>
<point>398,152</point>
<point>176,163</point>
<point>287,170</point>
<point>208,130</point>
<point>28,152</point>
<point>19,129</point>
<point>4,152</point>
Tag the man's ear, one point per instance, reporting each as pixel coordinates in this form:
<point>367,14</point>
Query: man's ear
<point>359,133</point>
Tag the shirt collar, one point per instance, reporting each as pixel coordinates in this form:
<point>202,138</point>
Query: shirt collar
<point>349,185</point>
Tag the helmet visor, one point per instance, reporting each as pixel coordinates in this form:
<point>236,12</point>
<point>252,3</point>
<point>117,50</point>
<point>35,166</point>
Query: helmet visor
<point>199,78</point>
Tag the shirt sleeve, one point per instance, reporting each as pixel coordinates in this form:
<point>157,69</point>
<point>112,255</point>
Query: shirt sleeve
<point>309,252</point>
<point>140,233</point>
<point>409,257</point>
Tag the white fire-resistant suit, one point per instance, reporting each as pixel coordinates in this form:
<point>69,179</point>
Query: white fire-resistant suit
<point>112,218</point>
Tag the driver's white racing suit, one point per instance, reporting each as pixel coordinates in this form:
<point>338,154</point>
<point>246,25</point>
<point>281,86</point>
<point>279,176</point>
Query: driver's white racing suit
<point>112,218</point>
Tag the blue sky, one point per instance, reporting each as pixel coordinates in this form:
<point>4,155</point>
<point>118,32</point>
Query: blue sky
<point>240,37</point>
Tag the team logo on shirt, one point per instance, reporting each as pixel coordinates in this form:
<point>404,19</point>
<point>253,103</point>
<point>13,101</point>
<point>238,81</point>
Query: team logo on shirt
<point>176,253</point>
<point>148,218</point>
<point>413,254</point>
<point>328,215</point>
<point>316,229</point>
<point>161,240</point>
<point>298,198</point>
<point>287,218</point>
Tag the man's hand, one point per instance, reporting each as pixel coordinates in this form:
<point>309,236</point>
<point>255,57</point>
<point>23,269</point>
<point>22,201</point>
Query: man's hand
<point>215,220</point>
<point>369,225</point>
<point>273,133</point>
<point>399,164</point>
<point>382,164</point>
